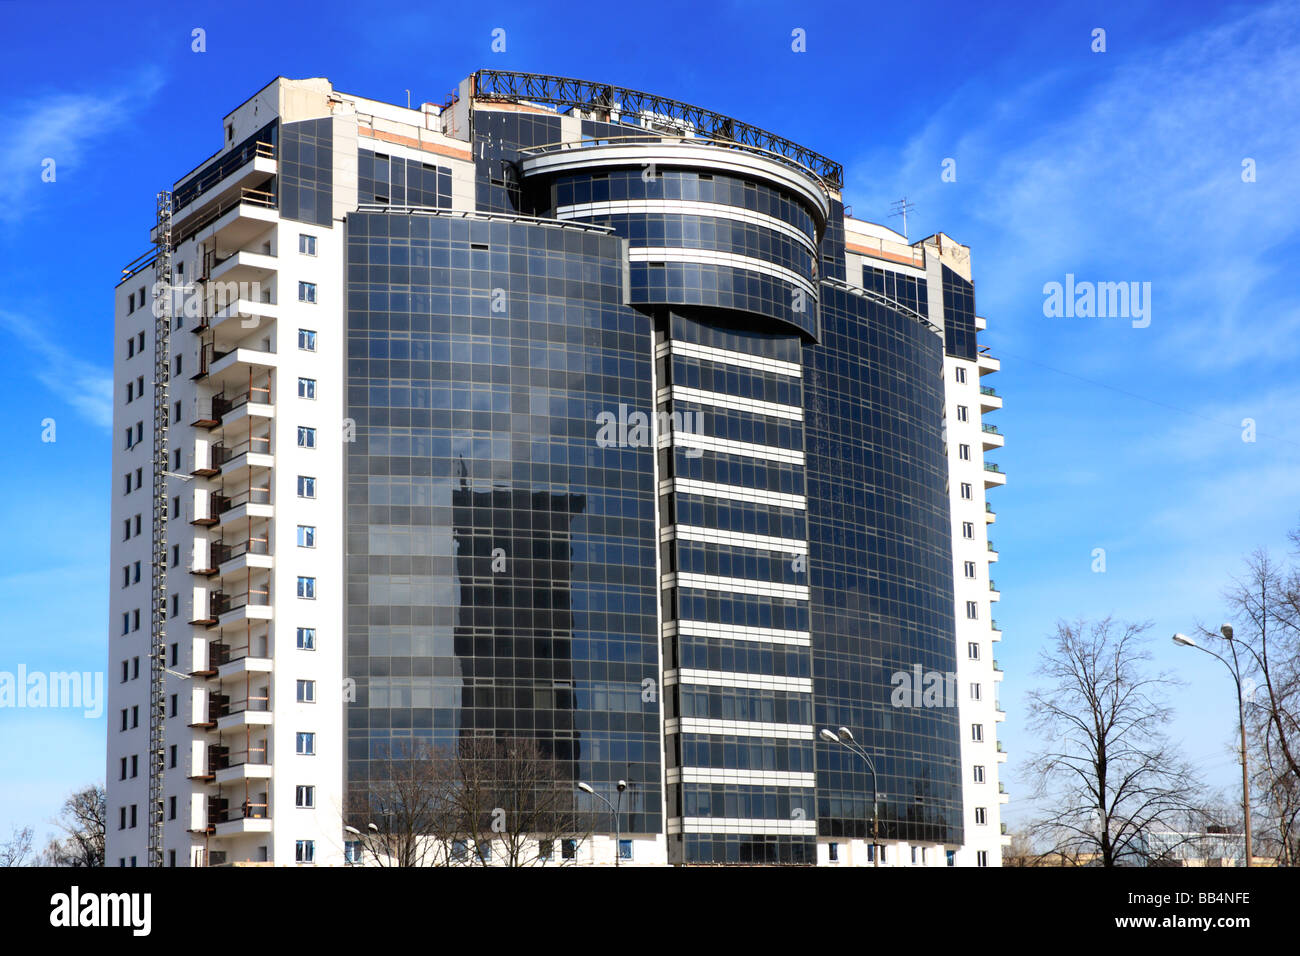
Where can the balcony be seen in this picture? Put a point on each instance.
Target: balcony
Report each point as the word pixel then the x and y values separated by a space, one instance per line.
pixel 993 552
pixel 251 400
pixel 991 437
pixel 252 452
pixel 233 218
pixel 254 502
pixel 990 400
pixel 993 475
pixel 244 309
pixel 241 266
pixel 215 362
pixel 990 515
pixel 987 363
pixel 250 163
pixel 994 593
pixel 245 817
pixel 251 763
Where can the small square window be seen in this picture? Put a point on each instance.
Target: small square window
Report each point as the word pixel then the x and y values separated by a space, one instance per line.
pixel 306 388
pixel 307 340
pixel 966 490
pixel 306 244
pixel 969 568
pixel 306 487
pixel 304 797
pixel 306 536
pixel 307 292
pixel 979 773
pixel 968 529
pixel 959 374
pixel 973 650
pixel 981 816
pixel 306 437
pixel 306 744
pixel 307 588
pixel 962 414
pixel 977 733
pixel 306 692
pixel 305 851
pixel 963 452
pixel 306 638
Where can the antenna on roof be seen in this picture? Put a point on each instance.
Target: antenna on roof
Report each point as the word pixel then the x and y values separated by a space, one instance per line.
pixel 901 208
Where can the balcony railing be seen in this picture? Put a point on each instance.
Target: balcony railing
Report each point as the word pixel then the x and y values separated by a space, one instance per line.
pixel 222 552
pixel 254 444
pixel 223 503
pixel 223 603
pixel 220 811
pixel 254 197
pixel 990 429
pixel 991 548
pixel 990 466
pixel 988 390
pixel 219 653
pixel 993 585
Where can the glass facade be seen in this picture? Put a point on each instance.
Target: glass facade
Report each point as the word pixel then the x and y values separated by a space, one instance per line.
pixel 306 171
pixel 500 561
pixel 880 555
pixel 767 551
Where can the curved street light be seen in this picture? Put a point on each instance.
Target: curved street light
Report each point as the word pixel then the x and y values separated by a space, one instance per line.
pixel 1234 669
pixel 845 737
pixel 616 811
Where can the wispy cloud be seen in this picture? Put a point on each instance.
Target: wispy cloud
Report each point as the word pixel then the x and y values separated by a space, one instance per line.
pixel 85 386
pixel 62 126
pixel 1129 168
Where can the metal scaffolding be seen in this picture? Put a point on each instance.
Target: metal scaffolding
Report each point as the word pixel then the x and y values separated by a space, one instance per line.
pixel 158 577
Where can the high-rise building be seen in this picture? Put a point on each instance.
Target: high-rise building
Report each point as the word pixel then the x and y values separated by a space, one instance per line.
pixel 558 412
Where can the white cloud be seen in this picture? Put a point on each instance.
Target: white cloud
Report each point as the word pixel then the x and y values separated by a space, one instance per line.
pixel 85 386
pixel 61 126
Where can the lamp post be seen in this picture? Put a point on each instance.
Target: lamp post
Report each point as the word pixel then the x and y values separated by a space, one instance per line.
pixel 1235 669
pixel 616 811
pixel 845 736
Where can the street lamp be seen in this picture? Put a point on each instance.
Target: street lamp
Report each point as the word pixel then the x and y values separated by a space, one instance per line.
pixel 845 736
pixel 616 811
pixel 1235 669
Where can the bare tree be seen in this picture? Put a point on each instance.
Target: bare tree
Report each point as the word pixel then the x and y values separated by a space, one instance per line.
pixel 1264 604
pixel 83 820
pixel 405 816
pixel 1020 851
pixel 18 848
pixel 1109 774
pixel 515 802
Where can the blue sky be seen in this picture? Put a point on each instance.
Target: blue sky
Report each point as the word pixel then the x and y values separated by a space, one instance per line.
pixel 1116 166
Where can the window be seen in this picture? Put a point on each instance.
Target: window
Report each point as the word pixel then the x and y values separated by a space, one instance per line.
pixel 916 855
pixel 835 852
pixel 121 818
pixel 130 347
pixel 968 529
pixel 306 244
pixel 484 850
pixel 966 491
pixel 459 849
pixel 306 487
pixel 306 536
pixel 179 365
pixel 133 817
pixel 982 858
pixel 306 292
pixel 176 605
pixel 960 375
pixel 976 692
pixel 171 757
pixel 952 857
pixel 135 668
pixel 972 610
pixel 306 437
pixel 979 773
pixel 352 851
pixel 126 622
pixel 871 853
pixel 305 851
pixel 306 692
pixel 545 849
pixel 137 524
pixel 306 744
pixel 306 638
pixel 139 336
pixel 306 388
pixel 171 810
pixel 304 797
pixel 307 588
pixel 307 340
pixel 963 452
pixel 973 650
pixel 970 569
pixel 962 414
pixel 135 716
pixel 135 620
pixel 977 733
pixel 176 555
pixel 625 849
pixel 569 849
pixel 122 776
